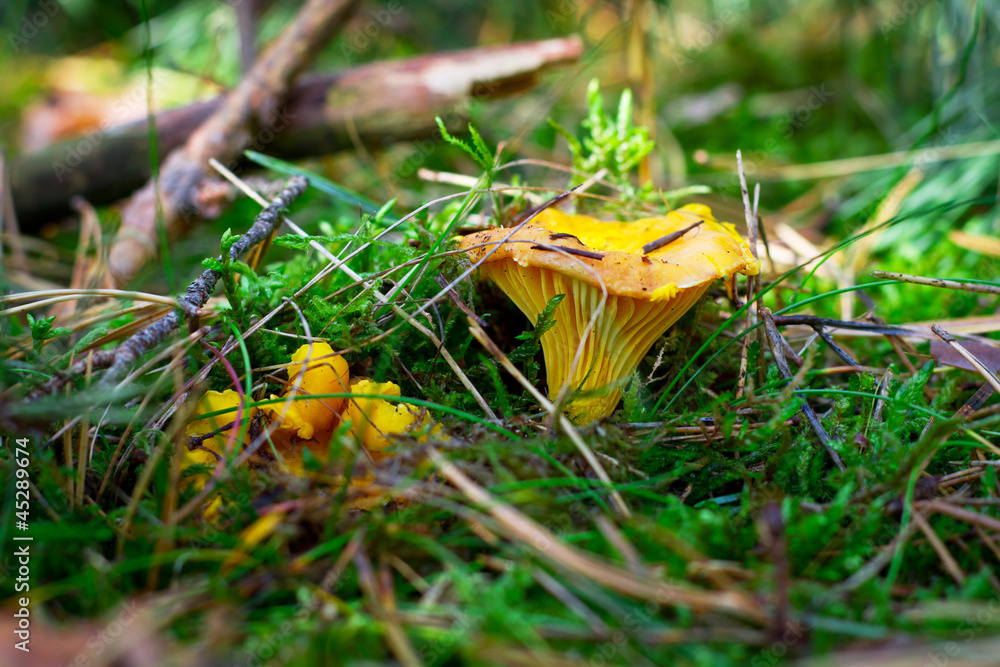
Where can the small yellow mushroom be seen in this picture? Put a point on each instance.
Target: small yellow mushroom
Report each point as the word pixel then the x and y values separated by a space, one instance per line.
pixel 653 270
pixel 211 449
pixel 310 423
pixel 325 373
pixel 374 419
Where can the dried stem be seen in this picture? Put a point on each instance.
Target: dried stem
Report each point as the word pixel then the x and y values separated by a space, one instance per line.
pixel 938 282
pixel 971 358
pixel 779 357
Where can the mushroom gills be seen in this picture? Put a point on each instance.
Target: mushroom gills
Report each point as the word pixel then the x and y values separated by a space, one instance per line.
pixel 622 334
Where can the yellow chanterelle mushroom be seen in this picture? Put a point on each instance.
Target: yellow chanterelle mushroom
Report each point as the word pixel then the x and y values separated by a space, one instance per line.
pixel 324 373
pixel 310 423
pixel 653 271
pixel 374 419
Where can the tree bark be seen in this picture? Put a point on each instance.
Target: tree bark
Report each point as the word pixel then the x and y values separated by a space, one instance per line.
pixel 386 102
pixel 250 109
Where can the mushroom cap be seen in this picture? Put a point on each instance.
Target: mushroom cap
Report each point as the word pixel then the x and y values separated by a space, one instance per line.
pixel 712 250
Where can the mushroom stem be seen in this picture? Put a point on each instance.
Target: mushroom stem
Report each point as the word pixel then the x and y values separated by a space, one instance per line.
pixel 622 334
pixel 588 454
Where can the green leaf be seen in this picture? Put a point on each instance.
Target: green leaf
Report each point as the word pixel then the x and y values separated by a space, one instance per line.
pixel 315 180
pixel 384 211
pixel 546 319
pixel 502 397
pixel 214 264
pixel 89 338
pixel 243 269
pixel 486 156
pixel 41 331
pixel 625 115
pixel 478 151
pixel 228 239
pixel 526 352
pixel 613 144
pixel 454 141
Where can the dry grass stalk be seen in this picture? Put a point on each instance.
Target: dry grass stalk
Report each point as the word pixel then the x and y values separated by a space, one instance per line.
pixel 523 529
pixel 981 288
pixel 564 423
pixel 947 560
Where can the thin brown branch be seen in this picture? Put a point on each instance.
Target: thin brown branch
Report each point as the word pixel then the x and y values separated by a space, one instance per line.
pixel 384 102
pixel 254 104
pixel 839 351
pixel 938 282
pixel 121 359
pixel 814 321
pixel 774 337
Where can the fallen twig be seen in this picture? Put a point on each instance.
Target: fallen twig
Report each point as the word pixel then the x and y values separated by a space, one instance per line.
pixel 981 288
pixel 839 351
pixel 814 321
pixel 774 337
pixel 383 102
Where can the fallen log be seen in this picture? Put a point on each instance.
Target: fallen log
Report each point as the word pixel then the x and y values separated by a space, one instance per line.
pixel 165 206
pixel 385 101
